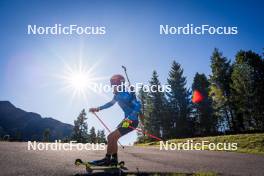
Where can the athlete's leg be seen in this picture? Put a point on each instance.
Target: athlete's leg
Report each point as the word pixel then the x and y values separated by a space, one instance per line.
pixel 112 139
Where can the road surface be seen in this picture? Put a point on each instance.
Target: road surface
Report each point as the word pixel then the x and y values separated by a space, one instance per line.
pixel 15 159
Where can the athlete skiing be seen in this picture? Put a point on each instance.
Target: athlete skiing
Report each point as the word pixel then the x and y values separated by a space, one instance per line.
pixel 131 107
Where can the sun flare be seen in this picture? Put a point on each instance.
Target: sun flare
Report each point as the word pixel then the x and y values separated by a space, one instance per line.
pixel 78 79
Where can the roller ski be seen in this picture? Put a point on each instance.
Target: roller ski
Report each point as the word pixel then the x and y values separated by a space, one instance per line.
pixel 105 167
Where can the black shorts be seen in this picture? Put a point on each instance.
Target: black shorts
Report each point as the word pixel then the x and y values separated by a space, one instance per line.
pixel 123 131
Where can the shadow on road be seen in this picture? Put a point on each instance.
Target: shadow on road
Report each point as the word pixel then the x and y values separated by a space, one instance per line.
pixel 134 174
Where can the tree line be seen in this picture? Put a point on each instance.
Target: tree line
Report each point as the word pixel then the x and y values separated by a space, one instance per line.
pixel 233 96
pixel 81 133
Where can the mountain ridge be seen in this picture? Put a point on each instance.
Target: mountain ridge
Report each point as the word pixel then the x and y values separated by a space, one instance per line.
pixel 23 125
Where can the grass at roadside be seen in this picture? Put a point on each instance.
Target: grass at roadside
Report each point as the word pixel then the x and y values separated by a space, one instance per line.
pixel 246 143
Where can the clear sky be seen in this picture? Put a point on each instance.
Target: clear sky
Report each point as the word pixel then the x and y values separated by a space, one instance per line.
pixel 30 65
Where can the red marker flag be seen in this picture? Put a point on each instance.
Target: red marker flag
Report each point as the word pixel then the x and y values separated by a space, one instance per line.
pixel 197 97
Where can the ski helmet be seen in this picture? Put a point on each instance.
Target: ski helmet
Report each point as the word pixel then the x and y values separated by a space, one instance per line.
pixel 117 80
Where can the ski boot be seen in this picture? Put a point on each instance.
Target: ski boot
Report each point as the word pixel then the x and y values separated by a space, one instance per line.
pixel 114 160
pixel 102 162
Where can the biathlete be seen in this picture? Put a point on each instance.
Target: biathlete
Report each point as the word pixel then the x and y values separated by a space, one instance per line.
pixel 131 107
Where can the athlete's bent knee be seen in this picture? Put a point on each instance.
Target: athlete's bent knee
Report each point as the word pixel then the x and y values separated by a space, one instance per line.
pixel 109 137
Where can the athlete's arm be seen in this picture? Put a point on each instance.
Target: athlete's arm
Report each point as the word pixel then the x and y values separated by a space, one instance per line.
pixel 107 105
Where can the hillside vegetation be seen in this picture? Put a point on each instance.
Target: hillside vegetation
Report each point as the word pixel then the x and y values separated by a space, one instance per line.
pixel 246 143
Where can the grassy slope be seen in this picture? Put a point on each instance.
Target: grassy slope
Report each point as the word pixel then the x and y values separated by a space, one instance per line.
pixel 246 143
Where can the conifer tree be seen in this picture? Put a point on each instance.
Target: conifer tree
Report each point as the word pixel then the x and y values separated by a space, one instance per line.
pixel 155 110
pixel 179 102
pixel 220 91
pixel 80 133
pixel 102 136
pixel 205 122
pixel 46 135
pixel 248 90
pixel 92 136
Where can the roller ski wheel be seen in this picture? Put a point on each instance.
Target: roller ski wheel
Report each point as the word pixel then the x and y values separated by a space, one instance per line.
pixel 121 163
pixel 78 162
pixel 89 170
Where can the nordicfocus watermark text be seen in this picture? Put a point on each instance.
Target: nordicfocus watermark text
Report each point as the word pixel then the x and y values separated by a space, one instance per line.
pixel 191 29
pixel 203 145
pixel 164 145
pixel 58 145
pixel 131 88
pixel 58 29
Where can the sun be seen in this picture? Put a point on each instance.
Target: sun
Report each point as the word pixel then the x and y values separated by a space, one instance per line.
pixel 78 80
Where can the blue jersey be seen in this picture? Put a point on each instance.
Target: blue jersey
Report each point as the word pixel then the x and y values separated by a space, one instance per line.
pixel 128 104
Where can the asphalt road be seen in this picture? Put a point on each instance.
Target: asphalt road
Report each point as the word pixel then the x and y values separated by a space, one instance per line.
pixel 15 159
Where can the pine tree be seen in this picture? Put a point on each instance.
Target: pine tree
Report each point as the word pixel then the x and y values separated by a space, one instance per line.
pixel 46 135
pixel 98 136
pixel 179 102
pixel 102 137
pixel 80 128
pixel 205 122
pixel 155 110
pixel 220 91
pixel 92 136
pixel 248 89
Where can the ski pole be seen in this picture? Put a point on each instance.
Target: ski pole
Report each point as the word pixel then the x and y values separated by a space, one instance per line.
pixel 106 127
pixel 125 70
pixel 129 84
pixel 150 135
